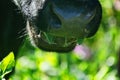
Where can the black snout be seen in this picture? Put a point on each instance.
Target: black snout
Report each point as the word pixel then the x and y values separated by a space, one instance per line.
pixel 60 23
pixel 68 20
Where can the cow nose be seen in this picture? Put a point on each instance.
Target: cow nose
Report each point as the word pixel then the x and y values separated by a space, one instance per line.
pixel 68 18
pixel 61 23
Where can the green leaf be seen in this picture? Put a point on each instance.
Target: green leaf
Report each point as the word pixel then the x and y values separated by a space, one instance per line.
pixel 7 64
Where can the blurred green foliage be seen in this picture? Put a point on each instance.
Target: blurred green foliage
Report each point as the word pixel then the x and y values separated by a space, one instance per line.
pixel 95 59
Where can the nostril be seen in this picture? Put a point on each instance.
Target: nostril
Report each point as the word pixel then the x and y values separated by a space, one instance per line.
pixel 47 19
pixel 55 22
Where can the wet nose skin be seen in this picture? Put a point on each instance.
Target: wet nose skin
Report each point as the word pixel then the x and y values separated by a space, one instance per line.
pixel 76 17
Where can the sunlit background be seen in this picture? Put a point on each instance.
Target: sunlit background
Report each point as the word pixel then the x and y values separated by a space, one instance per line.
pixel 95 59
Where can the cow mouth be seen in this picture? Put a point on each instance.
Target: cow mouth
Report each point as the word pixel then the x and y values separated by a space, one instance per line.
pixel 48 42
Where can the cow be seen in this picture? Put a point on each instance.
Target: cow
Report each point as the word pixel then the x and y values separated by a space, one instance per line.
pixel 52 25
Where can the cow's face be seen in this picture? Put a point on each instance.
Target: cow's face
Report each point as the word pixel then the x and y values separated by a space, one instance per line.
pixel 57 25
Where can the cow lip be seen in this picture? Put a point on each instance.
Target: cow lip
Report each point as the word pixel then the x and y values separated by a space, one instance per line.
pixel 54 47
pixel 44 44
